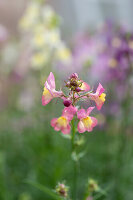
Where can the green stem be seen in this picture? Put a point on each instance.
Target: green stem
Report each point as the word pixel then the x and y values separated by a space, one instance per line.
pixel 75 162
pixel 73 136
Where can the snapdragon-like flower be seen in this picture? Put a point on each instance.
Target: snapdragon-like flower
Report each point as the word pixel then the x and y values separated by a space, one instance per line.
pixel 63 123
pixel 98 96
pixel 86 123
pixel 49 90
pixel 77 90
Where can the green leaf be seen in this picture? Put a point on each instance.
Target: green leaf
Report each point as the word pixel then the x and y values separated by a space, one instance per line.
pixel 45 190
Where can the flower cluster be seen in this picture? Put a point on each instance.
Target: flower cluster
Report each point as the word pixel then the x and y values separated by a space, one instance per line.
pixel 41 25
pixel 77 90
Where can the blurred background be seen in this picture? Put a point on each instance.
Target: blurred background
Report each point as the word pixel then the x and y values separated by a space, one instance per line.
pixel 93 38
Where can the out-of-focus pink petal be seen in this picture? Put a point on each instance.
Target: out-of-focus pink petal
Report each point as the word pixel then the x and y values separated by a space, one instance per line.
pixel 100 89
pixel 85 87
pixel 47 86
pixel 57 128
pixel 89 110
pixel 57 93
pixel 81 127
pixel 53 122
pixel 69 112
pixel 94 121
pixel 81 114
pixel 99 104
pixel 66 130
pixel 51 80
pixel 46 97
pixel 89 129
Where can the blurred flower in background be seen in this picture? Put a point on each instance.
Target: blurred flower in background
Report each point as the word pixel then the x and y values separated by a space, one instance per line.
pixel 32 43
pixel 3 34
pixel 105 55
pixel 40 24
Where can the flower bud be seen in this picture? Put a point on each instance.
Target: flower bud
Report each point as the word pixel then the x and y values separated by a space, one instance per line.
pixel 62 190
pixel 74 75
pixel 68 84
pixel 73 83
pixel 93 186
pixel 67 102
pixel 78 89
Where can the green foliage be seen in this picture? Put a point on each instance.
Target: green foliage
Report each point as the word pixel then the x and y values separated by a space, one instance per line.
pixel 33 151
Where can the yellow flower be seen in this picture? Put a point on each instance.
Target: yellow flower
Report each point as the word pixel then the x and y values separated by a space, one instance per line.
pixel 53 38
pixel 31 16
pixel 38 60
pixel 38 40
pixel 63 54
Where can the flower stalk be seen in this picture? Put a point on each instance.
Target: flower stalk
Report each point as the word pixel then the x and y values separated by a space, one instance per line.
pixel 75 161
pixel 66 123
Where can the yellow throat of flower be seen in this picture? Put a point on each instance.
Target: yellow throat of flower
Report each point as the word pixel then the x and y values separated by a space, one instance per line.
pixel 62 121
pixel 102 97
pixel 87 121
pixel 46 93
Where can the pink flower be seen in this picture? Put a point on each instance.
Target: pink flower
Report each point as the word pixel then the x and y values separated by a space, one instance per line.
pixel 98 96
pixel 85 87
pixel 86 122
pixel 63 123
pixel 49 90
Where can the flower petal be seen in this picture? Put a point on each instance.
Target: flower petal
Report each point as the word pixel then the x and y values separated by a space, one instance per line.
pixel 90 109
pixel 81 127
pixel 94 121
pixel 69 112
pixel 99 103
pixel 93 124
pixel 100 89
pixel 85 87
pixel 81 114
pixel 51 80
pixel 66 130
pixel 53 122
pixel 46 97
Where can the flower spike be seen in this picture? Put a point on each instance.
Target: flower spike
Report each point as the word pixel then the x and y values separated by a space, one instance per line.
pixel 78 90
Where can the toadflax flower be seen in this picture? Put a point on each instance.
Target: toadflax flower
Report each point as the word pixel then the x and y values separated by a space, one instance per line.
pixel 98 96
pixel 77 90
pixel 86 123
pixel 49 90
pixel 63 123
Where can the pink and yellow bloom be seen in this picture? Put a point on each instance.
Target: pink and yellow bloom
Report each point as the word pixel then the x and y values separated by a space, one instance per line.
pixel 78 90
pixel 85 87
pixel 98 96
pixel 86 123
pixel 63 123
pixel 49 91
